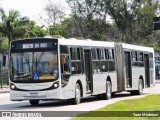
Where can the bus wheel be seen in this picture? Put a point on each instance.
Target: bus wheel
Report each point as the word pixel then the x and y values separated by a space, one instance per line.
pixel 99 97
pixel 77 98
pixel 108 93
pixel 140 88
pixel 34 102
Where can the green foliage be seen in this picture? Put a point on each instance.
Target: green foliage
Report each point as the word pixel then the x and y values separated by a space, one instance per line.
pixel 56 30
pixel 132 20
pixel 5 46
pixel 148 103
pixel 7 26
pixel 80 27
pixel 13 27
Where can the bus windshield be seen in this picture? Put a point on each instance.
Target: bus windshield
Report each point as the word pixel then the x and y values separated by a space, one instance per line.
pixel 34 66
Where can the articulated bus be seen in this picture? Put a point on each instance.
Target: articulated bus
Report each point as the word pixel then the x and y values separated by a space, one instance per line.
pixel 69 69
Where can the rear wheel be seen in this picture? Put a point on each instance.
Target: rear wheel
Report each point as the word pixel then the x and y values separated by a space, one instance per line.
pixel 108 93
pixel 140 89
pixel 77 98
pixel 34 102
pixel 99 97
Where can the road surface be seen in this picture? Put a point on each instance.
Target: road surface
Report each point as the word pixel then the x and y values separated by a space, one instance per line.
pixel 87 104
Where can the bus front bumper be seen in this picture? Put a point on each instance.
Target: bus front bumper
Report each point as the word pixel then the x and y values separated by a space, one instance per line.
pixel 34 95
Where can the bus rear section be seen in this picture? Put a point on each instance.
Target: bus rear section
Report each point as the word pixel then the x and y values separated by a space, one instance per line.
pixel 135 67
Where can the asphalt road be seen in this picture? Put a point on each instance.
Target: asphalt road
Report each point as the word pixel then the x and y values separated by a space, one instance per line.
pixel 87 104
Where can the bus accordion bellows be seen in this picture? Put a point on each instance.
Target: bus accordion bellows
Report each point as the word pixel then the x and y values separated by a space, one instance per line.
pixel 69 69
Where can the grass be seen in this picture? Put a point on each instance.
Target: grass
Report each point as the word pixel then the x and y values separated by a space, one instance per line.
pixel 148 103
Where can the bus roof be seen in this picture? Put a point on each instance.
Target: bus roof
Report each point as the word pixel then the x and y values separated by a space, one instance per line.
pixel 136 47
pixel 86 43
pixel 92 43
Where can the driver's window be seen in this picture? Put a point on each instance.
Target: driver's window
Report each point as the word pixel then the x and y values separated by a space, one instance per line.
pixel 65 60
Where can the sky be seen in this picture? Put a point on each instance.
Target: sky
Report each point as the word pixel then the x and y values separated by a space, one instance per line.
pixel 30 8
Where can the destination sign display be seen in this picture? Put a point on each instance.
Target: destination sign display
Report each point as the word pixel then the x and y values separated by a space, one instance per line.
pixel 34 44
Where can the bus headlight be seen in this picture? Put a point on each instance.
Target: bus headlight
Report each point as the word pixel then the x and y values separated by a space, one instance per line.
pixel 12 86
pixel 55 85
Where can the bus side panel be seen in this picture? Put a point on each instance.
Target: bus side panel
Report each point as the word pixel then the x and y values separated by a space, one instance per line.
pixel 136 73
pixel 113 76
pixel 68 91
pixel 99 83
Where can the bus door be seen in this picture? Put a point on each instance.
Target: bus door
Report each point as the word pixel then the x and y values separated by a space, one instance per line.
pixel 128 69
pixel 88 71
pixel 146 65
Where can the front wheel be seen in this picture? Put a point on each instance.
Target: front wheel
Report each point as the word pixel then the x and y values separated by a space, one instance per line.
pixel 77 98
pixel 34 102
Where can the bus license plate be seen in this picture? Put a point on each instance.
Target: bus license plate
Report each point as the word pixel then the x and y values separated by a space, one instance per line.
pixel 34 94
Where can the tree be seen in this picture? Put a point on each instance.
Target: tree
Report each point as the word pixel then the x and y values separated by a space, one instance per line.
pixel 33 30
pixel 55 13
pixel 5 46
pixel 39 31
pixel 132 19
pixel 7 22
pixel 13 26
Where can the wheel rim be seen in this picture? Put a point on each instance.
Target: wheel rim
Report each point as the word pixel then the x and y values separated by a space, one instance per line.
pixel 78 94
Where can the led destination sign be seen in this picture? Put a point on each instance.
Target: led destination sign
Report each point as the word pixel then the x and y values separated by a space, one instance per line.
pixel 34 44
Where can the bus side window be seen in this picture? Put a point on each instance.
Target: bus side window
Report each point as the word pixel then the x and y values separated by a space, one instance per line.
pixel 76 60
pixel 134 58
pixel 110 53
pixel 140 59
pixel 65 61
pixel 65 64
pixel 106 53
pixel 102 54
pixel 98 60
pixel 98 54
pixel 140 56
pixel 104 62
pixel 94 56
pixel 113 53
pixel 111 61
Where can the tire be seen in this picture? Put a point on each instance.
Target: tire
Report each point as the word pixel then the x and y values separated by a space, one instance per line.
pixel 133 92
pixel 77 98
pixel 113 94
pixel 140 89
pixel 34 102
pixel 108 93
pixel 99 97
